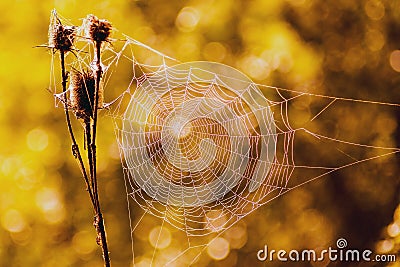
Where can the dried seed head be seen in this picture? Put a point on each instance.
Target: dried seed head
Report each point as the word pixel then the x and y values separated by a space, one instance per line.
pixel 98 30
pixel 61 37
pixel 82 94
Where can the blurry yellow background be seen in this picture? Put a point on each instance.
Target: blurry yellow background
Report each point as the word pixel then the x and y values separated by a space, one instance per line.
pixel 336 47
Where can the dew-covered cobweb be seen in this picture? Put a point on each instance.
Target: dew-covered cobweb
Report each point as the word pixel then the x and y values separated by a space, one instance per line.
pixel 202 145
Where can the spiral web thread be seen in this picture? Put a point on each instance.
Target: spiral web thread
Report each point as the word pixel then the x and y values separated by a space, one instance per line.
pixel 202 146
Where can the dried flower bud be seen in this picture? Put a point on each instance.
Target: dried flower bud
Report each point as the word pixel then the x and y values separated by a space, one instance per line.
pixel 61 37
pixel 82 92
pixel 98 30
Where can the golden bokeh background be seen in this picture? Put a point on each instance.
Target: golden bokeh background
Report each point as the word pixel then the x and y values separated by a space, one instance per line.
pixel 337 47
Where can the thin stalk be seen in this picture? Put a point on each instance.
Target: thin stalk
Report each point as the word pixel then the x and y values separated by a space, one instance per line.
pixel 98 219
pixel 92 171
pixel 95 110
pixel 75 148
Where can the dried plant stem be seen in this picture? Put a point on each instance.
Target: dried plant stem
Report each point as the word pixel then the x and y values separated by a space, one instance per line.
pixel 88 137
pixel 75 148
pixel 91 180
pixel 61 38
pixel 98 220
pixel 95 108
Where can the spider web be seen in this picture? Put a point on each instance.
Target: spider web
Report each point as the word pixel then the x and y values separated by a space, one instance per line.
pixel 202 146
